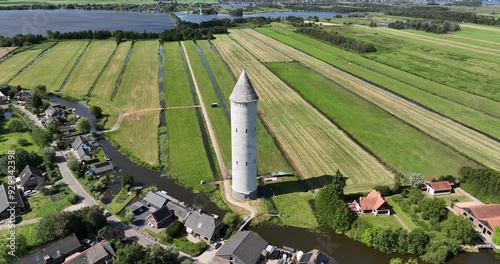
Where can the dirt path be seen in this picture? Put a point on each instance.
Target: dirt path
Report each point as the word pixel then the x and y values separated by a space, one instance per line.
pixel 401 222
pixel 215 144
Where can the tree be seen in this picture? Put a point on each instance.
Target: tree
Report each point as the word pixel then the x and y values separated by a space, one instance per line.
pixel 127 179
pixel 73 164
pixel 72 198
pixel 231 220
pixel 118 36
pixel 396 186
pixel 133 253
pixel 23 142
pixel 416 179
pixel 434 209
pixel 417 241
pixel 338 183
pixel 16 125
pixel 383 189
pixel 396 261
pixel 83 125
pixel 40 90
pixel 496 236
pixel 48 154
pixel 110 232
pixel 332 210
pixel 41 137
pixel 96 111
pixel 459 228
pixel 440 249
pixel 129 217
pixel 36 101
pixel 93 217
pixel 156 254
pixel 23 158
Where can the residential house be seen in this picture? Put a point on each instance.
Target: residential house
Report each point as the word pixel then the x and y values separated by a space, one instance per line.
pixel 4 97
pixel 436 188
pixel 30 178
pixel 242 248
pixel 485 217
pixel 314 257
pixel 22 96
pixel 160 218
pixel 54 111
pixel 53 252
pixel 100 253
pixel 10 204
pixel 372 203
pixel 154 200
pixel 179 211
pixel 82 148
pixel 203 225
pixel 102 168
pixel 136 208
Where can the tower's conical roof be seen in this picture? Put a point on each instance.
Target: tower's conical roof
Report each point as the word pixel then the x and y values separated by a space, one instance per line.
pixel 243 91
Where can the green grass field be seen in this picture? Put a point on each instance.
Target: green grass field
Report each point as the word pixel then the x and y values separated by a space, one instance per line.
pixel 176 81
pixel 41 205
pixel 408 150
pixel 52 68
pixel 11 66
pixel 28 231
pixel 401 214
pixel 450 199
pixel 8 139
pixel 120 201
pixel 382 220
pixel 139 86
pixel 89 67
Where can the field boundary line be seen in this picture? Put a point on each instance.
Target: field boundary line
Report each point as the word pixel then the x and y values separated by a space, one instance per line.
pixel 119 79
pixel 33 61
pixel 74 66
pixel 102 70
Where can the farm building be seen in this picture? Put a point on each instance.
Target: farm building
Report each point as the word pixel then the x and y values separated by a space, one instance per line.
pixel 436 188
pixel 485 218
pixel 372 203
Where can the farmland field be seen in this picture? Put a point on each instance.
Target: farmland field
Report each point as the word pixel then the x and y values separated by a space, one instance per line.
pixel 11 66
pixel 468 142
pixel 408 151
pixel 5 50
pixel 269 158
pixel 139 86
pixel 176 81
pixel 52 68
pixel 89 67
pixel 314 145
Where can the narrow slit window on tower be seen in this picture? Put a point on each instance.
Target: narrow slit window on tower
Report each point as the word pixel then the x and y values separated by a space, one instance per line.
pixel 246 163
pixel 246 130
pixel 236 162
pixel 254 129
pixel 254 161
pixel 236 130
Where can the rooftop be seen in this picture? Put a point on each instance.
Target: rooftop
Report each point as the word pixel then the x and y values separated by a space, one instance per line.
pixel 440 186
pixel 54 249
pixel 246 247
pixel 243 91
pixel 372 201
pixel 202 224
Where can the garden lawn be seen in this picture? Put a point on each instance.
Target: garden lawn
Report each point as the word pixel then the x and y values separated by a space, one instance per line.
pixel 402 147
pixel 8 140
pixel 451 199
pixel 139 86
pixel 89 67
pixel 382 220
pixel 138 136
pixel 52 68
pixel 402 215
pixel 120 201
pixel 42 205
pixel 28 231
pixel 269 157
pixel 292 202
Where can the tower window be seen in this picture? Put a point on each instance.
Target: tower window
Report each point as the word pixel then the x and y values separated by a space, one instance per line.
pixel 254 161
pixel 254 129
pixel 246 163
pixel 236 162
pixel 246 130
pixel 236 130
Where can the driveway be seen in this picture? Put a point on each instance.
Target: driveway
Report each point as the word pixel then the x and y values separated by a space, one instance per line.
pixel 30 115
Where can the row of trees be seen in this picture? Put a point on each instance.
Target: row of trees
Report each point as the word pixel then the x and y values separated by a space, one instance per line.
pixel 434 26
pixel 20 40
pixel 338 40
pixel 483 183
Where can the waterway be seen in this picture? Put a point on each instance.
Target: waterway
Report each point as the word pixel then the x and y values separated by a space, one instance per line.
pixel 344 250
pixel 39 21
pixel 195 18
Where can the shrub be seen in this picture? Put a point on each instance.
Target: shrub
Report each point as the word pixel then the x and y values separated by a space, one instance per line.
pixel 174 229
pixel 23 142
pixel 16 125
pixel 72 198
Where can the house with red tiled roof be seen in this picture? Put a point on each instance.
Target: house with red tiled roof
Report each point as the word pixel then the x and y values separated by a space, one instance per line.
pixel 372 203
pixel 436 188
pixel 485 217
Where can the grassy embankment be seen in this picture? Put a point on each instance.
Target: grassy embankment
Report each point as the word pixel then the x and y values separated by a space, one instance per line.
pixel 89 67
pixel 468 142
pixel 103 89
pixel 11 66
pixel 138 93
pixel 286 194
pixel 407 150
pixel 52 68
pixel 187 159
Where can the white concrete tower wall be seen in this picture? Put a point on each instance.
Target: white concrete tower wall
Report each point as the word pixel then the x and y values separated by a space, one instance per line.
pixel 244 139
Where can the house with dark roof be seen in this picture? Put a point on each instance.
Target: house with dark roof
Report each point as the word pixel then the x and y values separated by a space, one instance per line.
pixel 53 252
pixel 372 203
pixel 179 211
pixel 436 188
pixel 10 204
pixel 30 178
pixel 136 208
pixel 102 168
pixel 100 253
pixel 485 217
pixel 205 226
pixel 160 218
pixel 83 148
pixel 154 200
pixel 314 257
pixel 54 111
pixel 242 248
pixel 23 96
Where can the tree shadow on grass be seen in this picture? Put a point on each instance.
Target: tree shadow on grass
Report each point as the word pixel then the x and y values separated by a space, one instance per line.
pixel 293 186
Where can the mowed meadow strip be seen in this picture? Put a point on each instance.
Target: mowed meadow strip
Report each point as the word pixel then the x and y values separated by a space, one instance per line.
pixel 175 77
pixel 89 67
pixel 11 66
pixel 465 140
pixel 258 50
pixel 139 86
pixel 402 147
pixel 5 50
pixel 314 145
pixel 138 136
pixel 52 68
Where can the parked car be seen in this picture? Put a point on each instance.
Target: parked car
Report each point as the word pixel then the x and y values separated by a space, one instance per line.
pixel 87 242
pixel 216 245
pixel 106 213
pixel 107 158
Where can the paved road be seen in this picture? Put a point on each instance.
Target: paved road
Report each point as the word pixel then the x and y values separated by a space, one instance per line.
pixel 32 117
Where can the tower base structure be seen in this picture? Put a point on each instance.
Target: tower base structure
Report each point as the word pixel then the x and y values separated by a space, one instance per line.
pixel 244 196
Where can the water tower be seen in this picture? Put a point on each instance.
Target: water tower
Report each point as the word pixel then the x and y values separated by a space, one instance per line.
pixel 244 139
